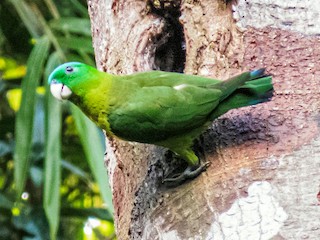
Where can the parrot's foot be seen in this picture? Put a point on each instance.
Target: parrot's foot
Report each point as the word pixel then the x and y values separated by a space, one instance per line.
pixel 190 173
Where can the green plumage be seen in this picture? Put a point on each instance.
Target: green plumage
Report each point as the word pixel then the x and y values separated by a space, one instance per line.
pixel 162 108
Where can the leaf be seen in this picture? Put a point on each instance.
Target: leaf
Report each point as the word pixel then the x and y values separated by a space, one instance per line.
pixel 38 138
pixel 79 8
pixel 53 154
pixel 5 203
pixel 93 148
pixel 7 63
pixel 24 118
pixel 75 170
pixel 76 43
pixel 10 69
pixel 14 97
pixel 72 25
pixel 14 73
pixel 100 213
pixel 28 17
pixel 32 222
pixel 85 58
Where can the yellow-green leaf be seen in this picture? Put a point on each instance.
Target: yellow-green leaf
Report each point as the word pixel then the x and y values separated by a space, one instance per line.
pixel 14 97
pixel 51 201
pixel 93 148
pixel 25 115
pixel 14 73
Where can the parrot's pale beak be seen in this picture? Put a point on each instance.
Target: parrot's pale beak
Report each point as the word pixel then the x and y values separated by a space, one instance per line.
pixel 60 91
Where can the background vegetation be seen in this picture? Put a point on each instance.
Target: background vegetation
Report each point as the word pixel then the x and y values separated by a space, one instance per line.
pixel 52 180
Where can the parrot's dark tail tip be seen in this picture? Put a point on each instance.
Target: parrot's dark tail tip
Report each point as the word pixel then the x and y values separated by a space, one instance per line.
pixel 258 73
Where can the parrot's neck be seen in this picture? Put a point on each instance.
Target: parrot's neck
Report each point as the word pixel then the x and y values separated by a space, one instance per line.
pixel 92 97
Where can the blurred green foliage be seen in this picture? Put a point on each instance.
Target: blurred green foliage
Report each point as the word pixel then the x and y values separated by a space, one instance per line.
pixel 53 184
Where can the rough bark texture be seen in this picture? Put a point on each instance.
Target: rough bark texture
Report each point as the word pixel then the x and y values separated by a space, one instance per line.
pixel 264 175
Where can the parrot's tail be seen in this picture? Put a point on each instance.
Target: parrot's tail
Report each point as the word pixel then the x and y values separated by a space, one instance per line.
pixel 256 88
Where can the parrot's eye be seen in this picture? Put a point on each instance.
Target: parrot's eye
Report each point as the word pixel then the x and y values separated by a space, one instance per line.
pixel 69 69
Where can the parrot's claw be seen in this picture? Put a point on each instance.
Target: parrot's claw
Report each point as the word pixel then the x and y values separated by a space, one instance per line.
pixel 190 173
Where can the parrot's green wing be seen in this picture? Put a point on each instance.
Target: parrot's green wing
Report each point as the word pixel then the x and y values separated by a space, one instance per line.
pixel 164 105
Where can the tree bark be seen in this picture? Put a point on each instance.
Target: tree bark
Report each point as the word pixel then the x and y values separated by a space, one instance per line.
pixel 264 178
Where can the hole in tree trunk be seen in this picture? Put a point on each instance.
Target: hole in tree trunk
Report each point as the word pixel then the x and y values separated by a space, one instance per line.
pixel 170 54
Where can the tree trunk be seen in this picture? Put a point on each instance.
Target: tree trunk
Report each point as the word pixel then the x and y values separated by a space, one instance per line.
pixel 263 182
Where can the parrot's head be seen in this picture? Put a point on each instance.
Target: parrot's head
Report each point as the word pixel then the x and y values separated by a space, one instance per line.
pixel 65 79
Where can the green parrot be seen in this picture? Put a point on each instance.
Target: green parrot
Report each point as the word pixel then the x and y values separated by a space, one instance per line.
pixel 162 108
